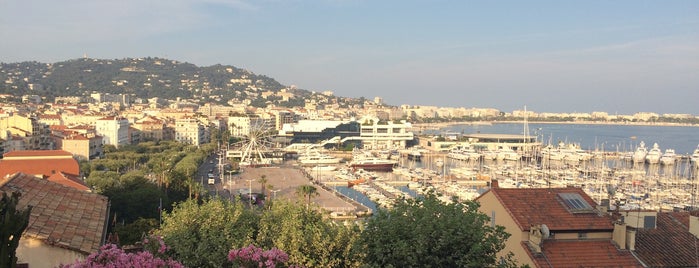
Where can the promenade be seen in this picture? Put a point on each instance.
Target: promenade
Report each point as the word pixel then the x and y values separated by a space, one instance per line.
pixel 284 181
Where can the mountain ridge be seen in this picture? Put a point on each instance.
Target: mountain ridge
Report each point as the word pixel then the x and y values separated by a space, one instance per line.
pixel 143 77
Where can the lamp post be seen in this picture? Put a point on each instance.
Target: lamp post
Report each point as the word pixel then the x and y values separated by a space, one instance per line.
pixel 275 193
pixel 250 191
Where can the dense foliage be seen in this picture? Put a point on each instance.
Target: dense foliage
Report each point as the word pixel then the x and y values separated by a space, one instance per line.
pixel 110 255
pixel 13 221
pixel 427 232
pixel 143 180
pixel 201 235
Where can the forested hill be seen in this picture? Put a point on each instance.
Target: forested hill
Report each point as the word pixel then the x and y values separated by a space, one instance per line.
pixel 143 77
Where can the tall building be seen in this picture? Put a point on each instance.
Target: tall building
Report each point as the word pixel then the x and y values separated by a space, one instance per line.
pixel 85 146
pixel 189 130
pixel 26 131
pixel 114 130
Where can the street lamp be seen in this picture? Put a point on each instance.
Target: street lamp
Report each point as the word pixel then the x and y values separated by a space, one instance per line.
pixel 275 192
pixel 250 191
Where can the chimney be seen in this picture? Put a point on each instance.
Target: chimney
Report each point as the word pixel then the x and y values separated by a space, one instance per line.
pixel 494 183
pixel 619 235
pixel 535 238
pixel 694 225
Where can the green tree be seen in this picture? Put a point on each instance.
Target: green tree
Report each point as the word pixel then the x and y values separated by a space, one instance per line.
pixel 200 235
pixel 426 232
pixel 306 192
pixel 13 221
pixel 136 198
pixel 134 232
pixel 310 239
pixel 100 181
pixel 263 185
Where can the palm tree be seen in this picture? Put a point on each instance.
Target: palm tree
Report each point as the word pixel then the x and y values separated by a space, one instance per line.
pixel 263 184
pixel 307 191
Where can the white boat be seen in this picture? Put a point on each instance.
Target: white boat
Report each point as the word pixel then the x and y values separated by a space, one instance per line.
pixel 323 168
pixel 654 154
pixel 366 161
pixel 695 156
pixel 669 157
pixel 318 159
pixel 489 154
pixel 506 153
pixel 414 154
pixel 464 154
pixel 639 156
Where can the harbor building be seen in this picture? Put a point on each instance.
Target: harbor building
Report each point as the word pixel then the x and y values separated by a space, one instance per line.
pixel 483 142
pixel 369 133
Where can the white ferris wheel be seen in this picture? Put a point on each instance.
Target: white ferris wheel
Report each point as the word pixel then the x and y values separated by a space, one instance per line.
pixel 255 145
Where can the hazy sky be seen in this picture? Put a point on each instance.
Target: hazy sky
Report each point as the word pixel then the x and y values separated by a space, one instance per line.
pixel 552 56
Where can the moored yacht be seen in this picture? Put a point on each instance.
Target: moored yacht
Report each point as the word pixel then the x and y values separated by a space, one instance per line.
pixel 669 157
pixel 639 156
pixel 318 159
pixel 367 161
pixel 654 154
pixel 695 156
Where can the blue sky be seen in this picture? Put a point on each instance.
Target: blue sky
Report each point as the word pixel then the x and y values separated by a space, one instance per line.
pixel 552 56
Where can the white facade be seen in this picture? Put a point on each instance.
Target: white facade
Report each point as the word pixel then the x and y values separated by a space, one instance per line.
pixel 384 135
pixel 189 131
pixel 114 130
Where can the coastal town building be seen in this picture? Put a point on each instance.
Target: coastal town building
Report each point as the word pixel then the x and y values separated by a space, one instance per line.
pixel 24 133
pixel 114 130
pixel 555 227
pixel 151 127
pixel 54 165
pixel 65 224
pixel 82 146
pixel 189 130
pixel 368 132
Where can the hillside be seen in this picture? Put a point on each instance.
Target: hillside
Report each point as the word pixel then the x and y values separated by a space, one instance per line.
pixel 143 77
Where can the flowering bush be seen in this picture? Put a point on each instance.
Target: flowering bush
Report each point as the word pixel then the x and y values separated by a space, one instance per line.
pixel 252 256
pixel 155 245
pixel 109 256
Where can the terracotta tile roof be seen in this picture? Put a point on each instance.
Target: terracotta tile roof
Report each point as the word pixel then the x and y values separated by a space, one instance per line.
pixel 40 163
pixel 61 216
pixel 69 180
pixel 77 137
pixel 37 153
pixel 533 206
pixel 582 253
pixel 57 127
pixel 50 116
pixel 670 244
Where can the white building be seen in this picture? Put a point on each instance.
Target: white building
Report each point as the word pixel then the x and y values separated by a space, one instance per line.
pixel 240 126
pixel 377 134
pixel 114 130
pixel 189 130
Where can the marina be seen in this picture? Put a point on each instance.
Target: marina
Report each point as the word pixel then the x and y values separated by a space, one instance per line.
pixel 634 178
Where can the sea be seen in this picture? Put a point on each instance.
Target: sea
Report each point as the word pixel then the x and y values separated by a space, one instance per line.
pixel 603 137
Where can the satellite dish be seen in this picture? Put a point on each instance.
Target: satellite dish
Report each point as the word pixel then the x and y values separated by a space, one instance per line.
pixel 545 232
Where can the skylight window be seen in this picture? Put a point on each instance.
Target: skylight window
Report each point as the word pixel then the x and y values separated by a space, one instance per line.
pixel 575 202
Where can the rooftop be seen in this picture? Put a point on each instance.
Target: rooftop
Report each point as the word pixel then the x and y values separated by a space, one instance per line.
pixel 533 206
pixel 670 244
pixel 61 216
pixel 582 253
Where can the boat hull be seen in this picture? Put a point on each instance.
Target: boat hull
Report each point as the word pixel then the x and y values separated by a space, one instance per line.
pixel 373 166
